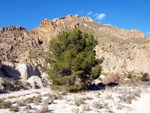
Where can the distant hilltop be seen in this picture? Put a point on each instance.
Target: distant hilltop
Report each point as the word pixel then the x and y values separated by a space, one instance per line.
pixel 70 17
pixel 50 28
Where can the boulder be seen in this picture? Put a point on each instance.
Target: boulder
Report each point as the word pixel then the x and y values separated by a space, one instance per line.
pixel 35 81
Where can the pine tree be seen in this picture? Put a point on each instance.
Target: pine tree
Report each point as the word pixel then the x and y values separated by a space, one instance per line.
pixel 72 60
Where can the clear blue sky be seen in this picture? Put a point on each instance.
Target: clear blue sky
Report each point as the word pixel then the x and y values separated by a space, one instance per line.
pixel 126 14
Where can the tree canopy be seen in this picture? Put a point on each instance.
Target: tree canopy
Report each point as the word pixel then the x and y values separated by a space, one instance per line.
pixel 72 60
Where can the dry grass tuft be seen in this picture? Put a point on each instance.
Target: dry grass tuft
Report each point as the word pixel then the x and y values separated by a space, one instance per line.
pixel 98 105
pixel 79 101
pixel 5 104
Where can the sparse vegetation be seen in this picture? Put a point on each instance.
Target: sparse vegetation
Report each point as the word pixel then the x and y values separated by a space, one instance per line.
pixel 21 103
pixel 14 108
pixel 128 98
pixel 13 60
pixel 85 108
pixel 78 101
pixel 5 104
pixel 75 110
pixel 97 105
pixel 12 97
pixel 129 76
pixel 37 100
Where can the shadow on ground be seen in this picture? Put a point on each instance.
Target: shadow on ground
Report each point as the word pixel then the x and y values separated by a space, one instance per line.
pixel 100 86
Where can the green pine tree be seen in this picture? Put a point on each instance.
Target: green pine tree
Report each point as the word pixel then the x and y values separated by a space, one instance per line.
pixel 72 60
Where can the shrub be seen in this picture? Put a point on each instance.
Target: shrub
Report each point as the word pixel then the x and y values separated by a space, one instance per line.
pixel 21 103
pixel 145 77
pixel 64 93
pixel 129 76
pixel 98 105
pixel 37 100
pixel 79 101
pixel 72 60
pixel 4 104
pixel 85 108
pixel 13 61
pixel 29 100
pixel 14 108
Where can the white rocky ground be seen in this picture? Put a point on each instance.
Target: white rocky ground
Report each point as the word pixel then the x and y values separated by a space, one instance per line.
pixel 125 98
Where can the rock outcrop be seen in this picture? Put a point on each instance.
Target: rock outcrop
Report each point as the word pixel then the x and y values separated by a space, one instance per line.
pixel 18 70
pixel 125 58
pixel 49 29
pixel 35 81
pixel 19 46
pixel 11 28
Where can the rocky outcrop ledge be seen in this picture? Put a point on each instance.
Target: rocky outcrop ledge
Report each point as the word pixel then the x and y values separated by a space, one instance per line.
pixel 11 28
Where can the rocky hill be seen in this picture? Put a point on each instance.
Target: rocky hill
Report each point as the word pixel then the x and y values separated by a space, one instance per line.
pixel 124 50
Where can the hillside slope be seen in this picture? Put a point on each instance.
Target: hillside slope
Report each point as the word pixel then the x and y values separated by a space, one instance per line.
pixel 124 50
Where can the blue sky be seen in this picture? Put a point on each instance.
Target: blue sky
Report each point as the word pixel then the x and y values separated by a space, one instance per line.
pixel 126 14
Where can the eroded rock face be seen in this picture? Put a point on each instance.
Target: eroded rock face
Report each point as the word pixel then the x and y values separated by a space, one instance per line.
pixel 19 46
pixel 123 58
pixel 18 70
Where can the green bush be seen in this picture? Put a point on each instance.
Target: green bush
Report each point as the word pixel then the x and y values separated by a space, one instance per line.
pixel 72 60
pixel 129 76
